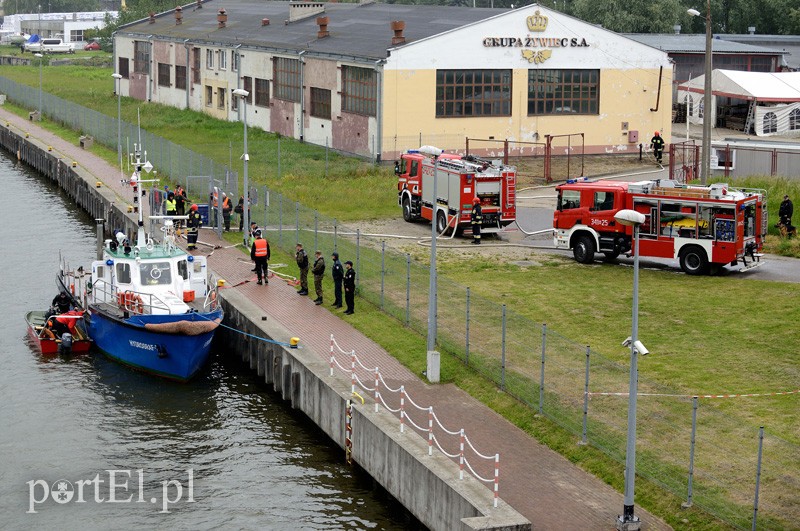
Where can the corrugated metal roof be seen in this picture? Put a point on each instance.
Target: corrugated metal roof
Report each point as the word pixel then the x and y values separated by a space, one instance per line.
pixel 679 43
pixel 358 30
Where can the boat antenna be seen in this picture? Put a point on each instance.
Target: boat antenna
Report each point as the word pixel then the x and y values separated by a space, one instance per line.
pixel 139 161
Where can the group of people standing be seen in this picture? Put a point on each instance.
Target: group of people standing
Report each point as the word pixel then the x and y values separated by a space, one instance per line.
pixel 344 276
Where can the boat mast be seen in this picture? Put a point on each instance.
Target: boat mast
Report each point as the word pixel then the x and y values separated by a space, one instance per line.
pixel 136 181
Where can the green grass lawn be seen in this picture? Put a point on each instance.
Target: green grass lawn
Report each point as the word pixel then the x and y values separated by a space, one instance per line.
pixel 706 334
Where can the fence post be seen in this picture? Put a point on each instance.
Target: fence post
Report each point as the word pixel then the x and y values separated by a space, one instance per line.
pixel 758 474
pixel 280 221
pixel 408 289
pixel 503 352
pixel 466 346
pixel 297 221
pixel 586 397
pixel 316 231
pixel 383 268
pixel 688 502
pixel 358 256
pixel 541 375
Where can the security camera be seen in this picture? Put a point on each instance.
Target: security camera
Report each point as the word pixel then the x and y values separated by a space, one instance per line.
pixel 637 346
pixel 627 342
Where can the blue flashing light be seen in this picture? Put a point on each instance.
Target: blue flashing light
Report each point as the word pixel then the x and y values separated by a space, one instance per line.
pixel 190 258
pixel 109 262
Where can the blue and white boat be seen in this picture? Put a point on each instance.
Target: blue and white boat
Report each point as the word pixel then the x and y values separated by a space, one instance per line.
pixel 150 305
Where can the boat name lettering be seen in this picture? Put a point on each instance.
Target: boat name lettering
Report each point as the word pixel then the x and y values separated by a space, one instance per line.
pixel 144 346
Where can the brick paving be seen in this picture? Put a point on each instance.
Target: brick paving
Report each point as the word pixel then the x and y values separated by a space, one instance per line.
pixel 539 483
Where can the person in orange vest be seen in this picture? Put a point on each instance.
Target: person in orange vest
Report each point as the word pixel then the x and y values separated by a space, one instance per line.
pixel 227 208
pixel 259 253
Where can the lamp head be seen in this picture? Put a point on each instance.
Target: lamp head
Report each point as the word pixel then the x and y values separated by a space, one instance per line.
pixel 693 12
pixel 241 93
pixel 116 76
pixel 629 217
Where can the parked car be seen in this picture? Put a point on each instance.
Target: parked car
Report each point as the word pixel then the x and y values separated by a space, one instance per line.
pixel 50 46
pixel 94 45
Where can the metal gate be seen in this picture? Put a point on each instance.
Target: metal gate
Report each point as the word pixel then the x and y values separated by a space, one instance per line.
pixel 684 161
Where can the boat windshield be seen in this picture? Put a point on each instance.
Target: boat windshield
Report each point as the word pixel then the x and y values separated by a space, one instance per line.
pixel 155 273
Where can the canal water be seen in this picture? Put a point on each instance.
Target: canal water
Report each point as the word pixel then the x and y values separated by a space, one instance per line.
pixel 219 452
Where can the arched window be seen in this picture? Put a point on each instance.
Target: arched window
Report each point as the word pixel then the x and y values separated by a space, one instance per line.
pixel 794 120
pixel 770 122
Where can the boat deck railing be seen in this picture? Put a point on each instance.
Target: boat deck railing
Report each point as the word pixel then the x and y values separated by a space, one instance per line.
pixel 129 300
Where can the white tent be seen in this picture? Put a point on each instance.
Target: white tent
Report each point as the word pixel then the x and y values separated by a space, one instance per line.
pixel 774 96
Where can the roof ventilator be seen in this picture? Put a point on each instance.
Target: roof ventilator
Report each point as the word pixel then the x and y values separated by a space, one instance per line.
pixel 322 22
pixel 222 17
pixel 265 22
pixel 397 27
pixel 301 10
pixel 152 18
pixel 178 15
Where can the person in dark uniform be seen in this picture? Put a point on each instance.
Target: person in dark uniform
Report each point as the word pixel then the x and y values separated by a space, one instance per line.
pixel 349 287
pixel 180 207
pixel 192 226
pixel 239 210
pixel 657 143
pixel 785 212
pixel 259 253
pixel 227 208
pixel 476 218
pixel 338 276
pixel 319 271
pixel 61 303
pixel 301 258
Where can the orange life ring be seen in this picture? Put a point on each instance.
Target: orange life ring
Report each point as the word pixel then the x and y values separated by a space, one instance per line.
pixel 132 302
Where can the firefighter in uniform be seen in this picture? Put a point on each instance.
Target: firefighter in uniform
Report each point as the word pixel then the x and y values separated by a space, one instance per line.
pixel 338 276
pixel 192 226
pixel 476 218
pixel 349 287
pixel 259 253
pixel 301 258
pixel 227 208
pixel 319 271
pixel 657 143
pixel 785 212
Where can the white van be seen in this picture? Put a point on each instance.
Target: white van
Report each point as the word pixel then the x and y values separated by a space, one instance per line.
pixel 50 46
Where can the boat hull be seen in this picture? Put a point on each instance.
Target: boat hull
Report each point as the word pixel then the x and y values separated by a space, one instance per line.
pixel 169 355
pixel 47 346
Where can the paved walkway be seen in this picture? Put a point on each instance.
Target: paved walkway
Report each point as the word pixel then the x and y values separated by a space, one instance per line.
pixel 539 483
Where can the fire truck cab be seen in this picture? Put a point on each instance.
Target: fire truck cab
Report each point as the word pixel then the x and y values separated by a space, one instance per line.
pixel 458 181
pixel 704 227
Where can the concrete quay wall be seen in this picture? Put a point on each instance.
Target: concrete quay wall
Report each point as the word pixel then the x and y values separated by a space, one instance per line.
pixel 428 486
pixel 79 184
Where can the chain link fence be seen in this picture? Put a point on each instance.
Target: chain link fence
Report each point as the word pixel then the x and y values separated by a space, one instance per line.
pixel 699 450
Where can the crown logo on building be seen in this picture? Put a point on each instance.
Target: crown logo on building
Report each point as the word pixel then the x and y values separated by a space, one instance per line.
pixel 537 22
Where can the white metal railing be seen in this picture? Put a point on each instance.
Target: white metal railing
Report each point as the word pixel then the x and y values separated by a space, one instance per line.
pixel 378 382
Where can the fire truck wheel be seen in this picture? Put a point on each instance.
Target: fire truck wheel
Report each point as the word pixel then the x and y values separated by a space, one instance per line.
pixel 694 261
pixel 583 250
pixel 407 215
pixel 441 222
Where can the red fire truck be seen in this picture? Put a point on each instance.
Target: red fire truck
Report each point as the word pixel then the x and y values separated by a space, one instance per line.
pixel 458 181
pixel 705 227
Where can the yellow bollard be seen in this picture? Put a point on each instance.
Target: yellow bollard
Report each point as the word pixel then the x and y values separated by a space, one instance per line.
pixel 293 342
pixel 49 148
pixel 27 135
pixel 221 282
pixel 98 184
pixel 74 164
pixel 130 209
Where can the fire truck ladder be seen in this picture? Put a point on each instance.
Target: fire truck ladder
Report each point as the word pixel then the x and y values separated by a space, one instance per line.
pixel 511 190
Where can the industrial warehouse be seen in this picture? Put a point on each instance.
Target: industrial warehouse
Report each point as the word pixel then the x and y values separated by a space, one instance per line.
pixel 375 79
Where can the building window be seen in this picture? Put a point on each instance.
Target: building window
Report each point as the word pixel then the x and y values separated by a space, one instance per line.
pixel 209 96
pixel 321 103
pixel 359 90
pixel 180 77
pixel 770 122
pixel 223 60
pixel 563 92
pixel 287 79
pixel 234 60
pixel 209 59
pixel 248 86
pixel 794 120
pixel 220 98
pixel 76 35
pixel 196 65
pixel 262 92
pixel 473 93
pixel 141 57
pixel 163 75
pixel 124 67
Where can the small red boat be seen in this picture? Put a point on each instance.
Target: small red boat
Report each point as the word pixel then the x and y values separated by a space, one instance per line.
pixel 41 332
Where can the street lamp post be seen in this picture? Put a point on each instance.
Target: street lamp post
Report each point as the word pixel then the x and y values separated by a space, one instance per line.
pixel 707 105
pixel 118 78
pixel 628 521
pixel 243 94
pixel 41 60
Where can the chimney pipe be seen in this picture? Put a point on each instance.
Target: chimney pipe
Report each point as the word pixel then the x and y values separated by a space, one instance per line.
pixel 265 22
pixel 178 15
pixel 199 4
pixel 751 30
pixel 152 18
pixel 222 17
pixel 677 29
pixel 397 27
